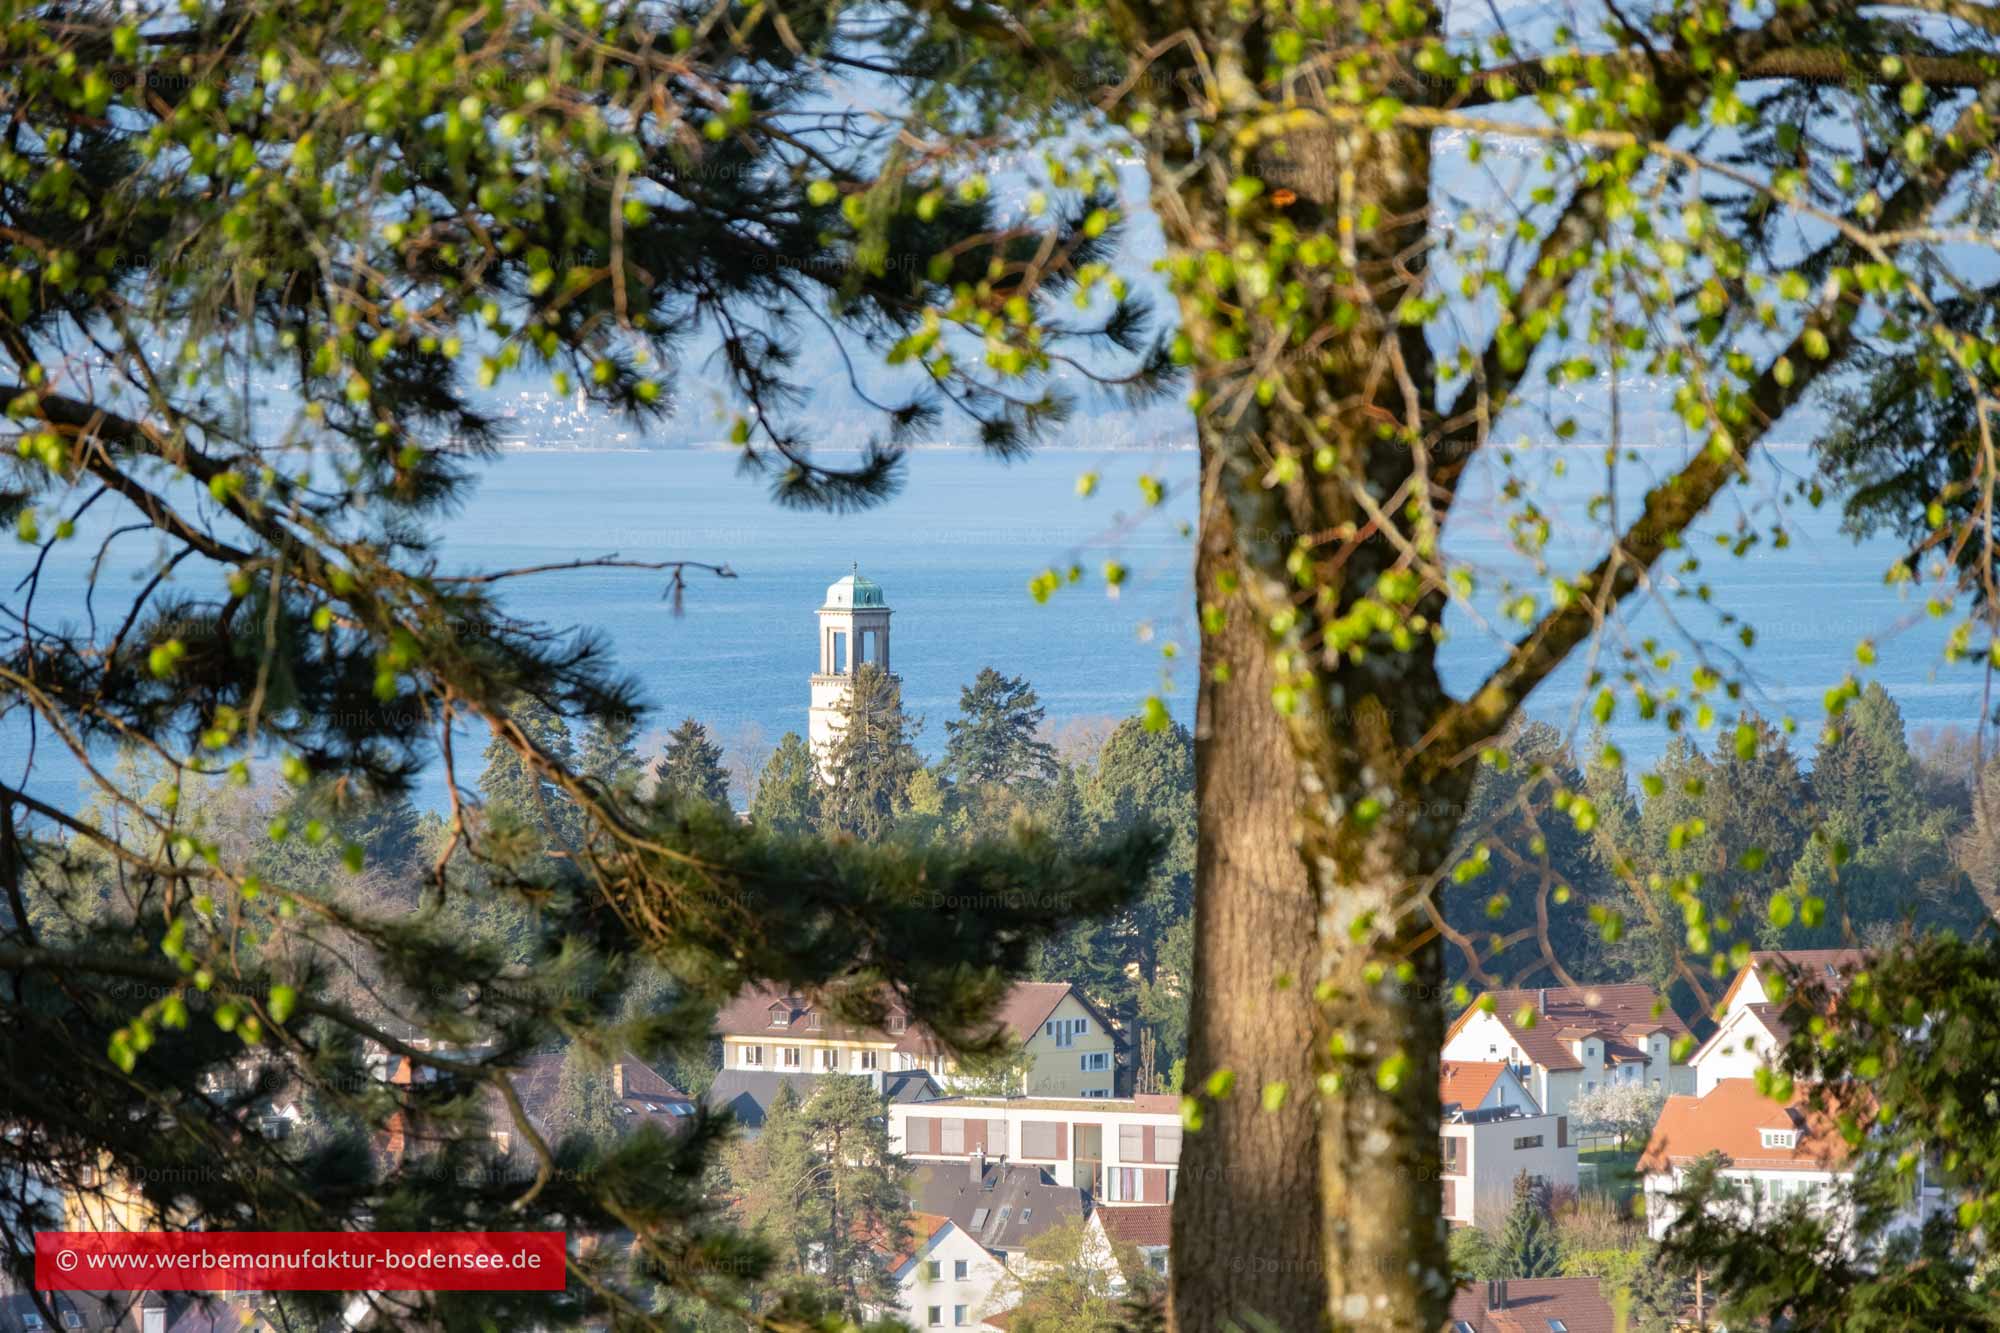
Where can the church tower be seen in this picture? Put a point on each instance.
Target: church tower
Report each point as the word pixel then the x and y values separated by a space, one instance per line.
pixel 853 628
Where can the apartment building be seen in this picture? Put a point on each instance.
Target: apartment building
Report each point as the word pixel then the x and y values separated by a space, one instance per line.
pixel 1771 1154
pixel 1493 1133
pixel 1118 1150
pixel 1564 1041
pixel 1072 1047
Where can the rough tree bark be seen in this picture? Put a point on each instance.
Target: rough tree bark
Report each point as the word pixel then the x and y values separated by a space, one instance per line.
pixel 1322 815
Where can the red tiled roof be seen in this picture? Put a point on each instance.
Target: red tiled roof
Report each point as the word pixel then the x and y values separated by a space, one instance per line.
pixel 1466 1082
pixel 1137 1224
pixel 1730 1119
pixel 1610 1010
pixel 1530 1303
pixel 916 1234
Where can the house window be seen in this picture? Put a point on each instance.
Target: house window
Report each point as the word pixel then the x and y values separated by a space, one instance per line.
pixel 958 1315
pixel 1041 1139
pixel 753 1056
pixel 1448 1155
pixel 71 1319
pixel 1780 1138
pixel 1097 1092
pixel 829 1059
pixel 952 1137
pixel 812 1020
pixel 780 1016
pixel 1527 1141
pixel 897 1023
pixel 959 1266
pixel 1121 1184
pixel 864 1059
pixel 933 1270
pixel 1065 1031
pixel 1131 1143
pixel 937 1316
pixel 1167 1144
pixel 788 1056
pixel 1096 1062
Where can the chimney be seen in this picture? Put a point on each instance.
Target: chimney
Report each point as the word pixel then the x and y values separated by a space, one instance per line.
pixel 1496 1294
pixel 977 1165
pixel 1542 1001
pixel 618 1080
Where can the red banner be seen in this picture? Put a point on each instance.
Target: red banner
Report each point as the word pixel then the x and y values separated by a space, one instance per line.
pixel 299 1260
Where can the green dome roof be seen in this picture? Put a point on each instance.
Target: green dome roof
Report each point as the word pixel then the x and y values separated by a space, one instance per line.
pixel 855 590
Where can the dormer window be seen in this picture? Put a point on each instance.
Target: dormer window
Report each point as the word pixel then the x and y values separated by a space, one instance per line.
pixel 780 1016
pixel 1781 1138
pixel 897 1023
pixel 812 1020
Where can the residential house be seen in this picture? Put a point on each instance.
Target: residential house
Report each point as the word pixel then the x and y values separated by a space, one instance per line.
pixel 1002 1205
pixel 1750 1020
pixel 1139 1234
pixel 1491 1134
pixel 747 1094
pixel 129 1312
pixel 1772 1153
pixel 1072 1045
pixel 1533 1305
pixel 642 1093
pixel 1567 1040
pixel 944 1278
pixel 1117 1150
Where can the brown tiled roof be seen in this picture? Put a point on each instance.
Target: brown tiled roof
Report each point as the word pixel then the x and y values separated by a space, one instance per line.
pixel 1137 1224
pixel 1730 1119
pixel 646 1090
pixel 1026 1006
pixel 1828 966
pixel 1607 1009
pixel 1466 1082
pixel 1530 1303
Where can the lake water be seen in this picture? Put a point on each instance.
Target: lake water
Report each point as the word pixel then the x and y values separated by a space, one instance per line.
pixel 954 553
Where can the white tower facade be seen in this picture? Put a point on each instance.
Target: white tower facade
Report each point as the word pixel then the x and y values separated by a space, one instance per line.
pixel 853 628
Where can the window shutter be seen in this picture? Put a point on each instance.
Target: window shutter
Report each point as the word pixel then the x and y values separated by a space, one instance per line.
pixel 1131 1143
pixel 996 1138
pixel 1167 1144
pixel 952 1137
pixel 1562 1131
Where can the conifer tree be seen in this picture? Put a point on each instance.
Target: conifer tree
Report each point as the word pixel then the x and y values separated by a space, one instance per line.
pixel 690 768
pixel 788 793
pixel 605 754
pixel 1529 1246
pixel 871 760
pixel 995 739
pixel 856 1205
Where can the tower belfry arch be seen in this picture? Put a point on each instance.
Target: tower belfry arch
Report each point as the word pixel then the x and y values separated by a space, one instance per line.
pixel 853 629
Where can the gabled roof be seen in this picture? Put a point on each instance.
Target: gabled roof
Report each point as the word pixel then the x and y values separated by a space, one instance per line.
pixel 1003 1208
pixel 1829 967
pixel 1530 1303
pixel 1614 1011
pixel 645 1091
pixel 1731 1119
pixel 1466 1083
pixel 1025 1007
pixel 921 1229
pixel 1770 1017
pixel 1146 1225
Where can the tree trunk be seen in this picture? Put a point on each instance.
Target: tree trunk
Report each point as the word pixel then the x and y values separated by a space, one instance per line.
pixel 1322 819
pixel 1245 1233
